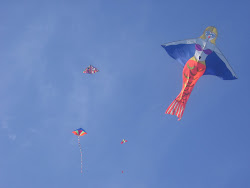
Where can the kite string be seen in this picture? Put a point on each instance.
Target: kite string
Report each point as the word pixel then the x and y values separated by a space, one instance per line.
pixel 80 151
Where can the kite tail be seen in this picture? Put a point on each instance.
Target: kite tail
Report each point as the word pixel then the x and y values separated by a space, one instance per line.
pixel 192 71
pixel 80 151
pixel 177 107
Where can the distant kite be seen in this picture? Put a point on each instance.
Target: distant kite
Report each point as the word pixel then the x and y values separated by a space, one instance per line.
pixel 199 57
pixel 79 132
pixel 90 70
pixel 123 141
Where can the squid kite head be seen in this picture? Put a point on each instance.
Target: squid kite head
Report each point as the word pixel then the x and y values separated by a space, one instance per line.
pixel 210 34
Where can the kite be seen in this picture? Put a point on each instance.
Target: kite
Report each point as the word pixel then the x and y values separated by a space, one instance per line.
pixel 79 132
pixel 199 56
pixel 90 70
pixel 123 141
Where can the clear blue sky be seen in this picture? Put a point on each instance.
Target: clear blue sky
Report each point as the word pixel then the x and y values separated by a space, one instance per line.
pixel 45 46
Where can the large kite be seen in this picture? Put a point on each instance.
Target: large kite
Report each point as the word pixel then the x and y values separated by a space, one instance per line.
pixel 79 132
pixel 199 57
pixel 90 70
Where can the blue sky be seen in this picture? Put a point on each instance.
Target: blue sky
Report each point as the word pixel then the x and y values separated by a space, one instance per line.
pixel 44 96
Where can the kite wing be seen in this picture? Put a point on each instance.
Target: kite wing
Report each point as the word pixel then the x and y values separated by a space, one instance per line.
pixel 181 51
pixel 90 70
pixel 217 65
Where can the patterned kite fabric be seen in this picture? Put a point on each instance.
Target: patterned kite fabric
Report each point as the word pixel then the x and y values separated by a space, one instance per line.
pixel 79 132
pixel 192 71
pixel 90 70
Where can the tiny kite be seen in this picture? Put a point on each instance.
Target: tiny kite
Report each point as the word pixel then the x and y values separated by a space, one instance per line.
pixel 90 70
pixel 79 132
pixel 123 141
pixel 199 57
